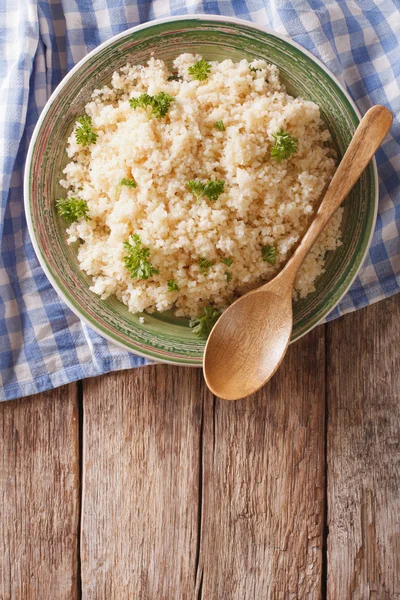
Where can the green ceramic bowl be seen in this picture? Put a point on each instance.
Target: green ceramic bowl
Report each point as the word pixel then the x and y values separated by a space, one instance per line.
pixel 164 337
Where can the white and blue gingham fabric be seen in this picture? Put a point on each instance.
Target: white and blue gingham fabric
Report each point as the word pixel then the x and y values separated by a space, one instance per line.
pixel 42 343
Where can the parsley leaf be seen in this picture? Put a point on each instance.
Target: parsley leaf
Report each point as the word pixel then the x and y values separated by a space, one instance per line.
pixel 285 146
pixel 72 209
pixel 159 103
pixel 141 101
pixel 202 325
pixel 227 261
pixel 228 276
pixel 84 133
pixel 172 285
pixel 129 182
pixel 196 187
pixel 269 254
pixel 204 265
pixel 200 70
pixel 219 125
pixel 211 189
pixel 137 259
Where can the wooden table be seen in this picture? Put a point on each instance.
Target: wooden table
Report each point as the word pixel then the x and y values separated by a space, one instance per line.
pixel 142 485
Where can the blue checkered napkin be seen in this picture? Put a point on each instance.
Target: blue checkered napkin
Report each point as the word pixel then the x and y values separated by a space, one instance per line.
pixel 42 344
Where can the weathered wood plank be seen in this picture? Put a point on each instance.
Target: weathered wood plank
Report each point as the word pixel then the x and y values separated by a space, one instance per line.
pixel 364 454
pixel 142 433
pixel 39 496
pixel 263 486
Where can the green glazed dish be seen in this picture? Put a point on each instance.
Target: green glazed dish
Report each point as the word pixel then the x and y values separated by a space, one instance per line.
pixel 163 337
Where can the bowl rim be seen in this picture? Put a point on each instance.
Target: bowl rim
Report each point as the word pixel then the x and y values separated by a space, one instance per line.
pixel 28 164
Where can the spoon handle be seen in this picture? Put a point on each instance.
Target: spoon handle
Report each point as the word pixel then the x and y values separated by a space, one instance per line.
pixel 368 137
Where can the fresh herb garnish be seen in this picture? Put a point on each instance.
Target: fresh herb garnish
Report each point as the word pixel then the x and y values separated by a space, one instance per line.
pixel 72 209
pixel 228 276
pixel 129 182
pixel 202 325
pixel 137 259
pixel 211 189
pixel 200 70
pixel 269 254
pixel 159 104
pixel 84 133
pixel 219 125
pixel 172 285
pixel 285 146
pixel 227 261
pixel 141 101
pixel 204 265
pixel 196 187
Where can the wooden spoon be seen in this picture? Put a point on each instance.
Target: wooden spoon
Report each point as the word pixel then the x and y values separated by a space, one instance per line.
pixel 250 339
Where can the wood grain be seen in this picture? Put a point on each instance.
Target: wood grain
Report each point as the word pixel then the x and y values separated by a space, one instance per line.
pixel 142 436
pixel 262 514
pixel 364 454
pixel 39 490
pixel 186 496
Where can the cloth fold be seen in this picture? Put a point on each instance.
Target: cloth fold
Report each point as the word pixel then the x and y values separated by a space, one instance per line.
pixel 42 343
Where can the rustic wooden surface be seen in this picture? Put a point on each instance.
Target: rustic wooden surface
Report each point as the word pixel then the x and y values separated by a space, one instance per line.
pixel 39 497
pixel 142 485
pixel 364 454
pixel 262 511
pixel 142 440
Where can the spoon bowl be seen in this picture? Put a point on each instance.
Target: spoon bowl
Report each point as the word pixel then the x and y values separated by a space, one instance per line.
pixel 266 334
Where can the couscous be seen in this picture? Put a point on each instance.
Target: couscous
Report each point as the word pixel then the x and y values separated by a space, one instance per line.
pixel 191 186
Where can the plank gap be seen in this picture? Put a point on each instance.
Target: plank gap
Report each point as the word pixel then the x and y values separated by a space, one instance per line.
pixel 200 594
pixel 80 484
pixel 325 528
pixel 199 575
